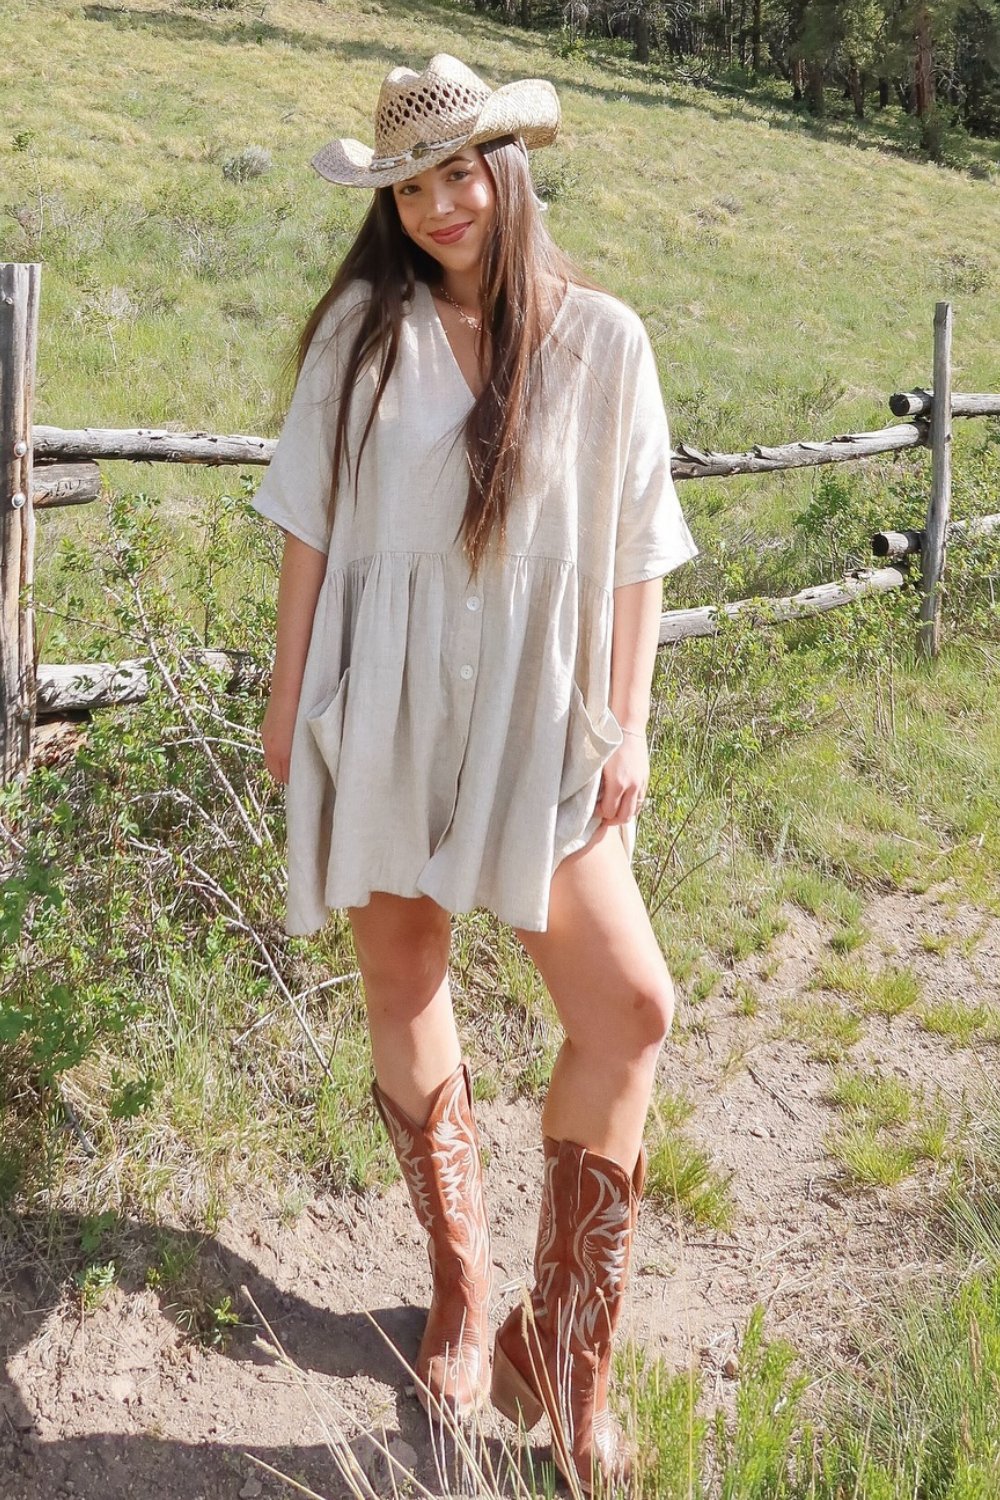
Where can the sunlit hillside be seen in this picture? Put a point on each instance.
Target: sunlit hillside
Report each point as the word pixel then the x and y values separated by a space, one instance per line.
pixel 787 270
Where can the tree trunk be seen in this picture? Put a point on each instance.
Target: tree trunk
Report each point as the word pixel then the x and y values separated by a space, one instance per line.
pixel 798 79
pixel 856 83
pixel 814 88
pixel 741 35
pixel 883 93
pixel 755 39
pixel 923 64
pixel 640 36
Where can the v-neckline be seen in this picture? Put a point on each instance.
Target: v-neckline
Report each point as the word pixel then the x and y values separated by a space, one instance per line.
pixel 442 332
pixel 439 326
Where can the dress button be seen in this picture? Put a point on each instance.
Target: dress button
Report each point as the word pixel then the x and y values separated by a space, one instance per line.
pixel 466 672
pixel 472 602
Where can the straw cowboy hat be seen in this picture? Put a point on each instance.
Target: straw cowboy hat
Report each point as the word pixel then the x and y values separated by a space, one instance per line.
pixel 423 118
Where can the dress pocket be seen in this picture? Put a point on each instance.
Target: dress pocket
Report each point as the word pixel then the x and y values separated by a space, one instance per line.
pixel 327 725
pixel 589 744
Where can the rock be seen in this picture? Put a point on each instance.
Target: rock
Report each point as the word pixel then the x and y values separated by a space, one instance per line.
pixel 122 1388
pixel 365 1453
pixel 730 1367
pixel 251 1490
pixel 404 1455
pixel 382 1474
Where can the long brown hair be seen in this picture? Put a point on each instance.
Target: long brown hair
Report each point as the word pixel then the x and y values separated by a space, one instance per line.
pixel 520 261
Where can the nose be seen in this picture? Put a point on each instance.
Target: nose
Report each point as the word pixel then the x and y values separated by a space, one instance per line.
pixel 443 200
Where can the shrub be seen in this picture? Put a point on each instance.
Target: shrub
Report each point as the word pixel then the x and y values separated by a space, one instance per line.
pixel 252 161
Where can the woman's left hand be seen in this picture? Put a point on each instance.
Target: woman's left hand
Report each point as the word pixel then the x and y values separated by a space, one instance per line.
pixel 624 782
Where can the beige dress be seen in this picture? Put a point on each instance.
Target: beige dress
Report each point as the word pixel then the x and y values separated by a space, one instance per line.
pixel 451 732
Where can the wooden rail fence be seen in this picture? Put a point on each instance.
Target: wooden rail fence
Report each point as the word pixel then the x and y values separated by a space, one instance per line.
pixel 42 468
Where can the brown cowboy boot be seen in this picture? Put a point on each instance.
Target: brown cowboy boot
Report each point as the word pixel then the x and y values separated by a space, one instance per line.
pixel 554 1357
pixel 442 1169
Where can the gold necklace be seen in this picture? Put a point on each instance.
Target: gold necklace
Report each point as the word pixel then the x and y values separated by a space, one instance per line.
pixel 475 323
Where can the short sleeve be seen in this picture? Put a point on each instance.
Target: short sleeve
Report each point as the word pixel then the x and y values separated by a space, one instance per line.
pixel 295 489
pixel 653 537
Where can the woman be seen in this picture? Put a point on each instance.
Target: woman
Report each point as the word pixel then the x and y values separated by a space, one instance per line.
pixel 474 481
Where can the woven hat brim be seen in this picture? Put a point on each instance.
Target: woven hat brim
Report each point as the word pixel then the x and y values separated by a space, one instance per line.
pixel 528 108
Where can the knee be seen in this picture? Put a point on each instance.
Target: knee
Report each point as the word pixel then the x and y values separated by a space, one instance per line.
pixel 631 1025
pixel 403 970
pixel 647 1014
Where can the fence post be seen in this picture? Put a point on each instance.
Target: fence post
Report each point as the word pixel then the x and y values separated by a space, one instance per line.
pixel 939 508
pixel 19 292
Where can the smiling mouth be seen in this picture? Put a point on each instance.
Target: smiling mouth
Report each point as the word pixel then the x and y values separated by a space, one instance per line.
pixel 445 236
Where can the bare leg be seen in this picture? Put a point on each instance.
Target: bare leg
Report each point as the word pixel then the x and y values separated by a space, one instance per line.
pixel 403 945
pixel 602 965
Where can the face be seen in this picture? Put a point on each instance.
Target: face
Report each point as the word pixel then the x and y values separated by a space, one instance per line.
pixel 456 200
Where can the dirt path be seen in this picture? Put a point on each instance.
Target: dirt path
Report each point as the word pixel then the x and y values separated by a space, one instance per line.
pixel 122 1403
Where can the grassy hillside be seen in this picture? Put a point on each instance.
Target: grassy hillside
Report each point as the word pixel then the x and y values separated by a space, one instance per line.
pixel 787 270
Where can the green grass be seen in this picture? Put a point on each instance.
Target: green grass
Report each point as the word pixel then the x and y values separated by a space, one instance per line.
pixel 902 1421
pixel 826 1029
pixel 847 939
pixel 962 1023
pixel 886 992
pixel 747 1001
pixel 185 290
pixel 932 1138
pixel 871 1158
pixel 703 986
pixel 824 897
pixel 783 778
pixel 889 1128
pixel 929 1422
pixel 679 1174
pixel 935 942
pixel 873 1099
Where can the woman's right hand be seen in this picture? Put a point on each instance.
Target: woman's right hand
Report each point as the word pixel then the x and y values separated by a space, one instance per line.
pixel 276 729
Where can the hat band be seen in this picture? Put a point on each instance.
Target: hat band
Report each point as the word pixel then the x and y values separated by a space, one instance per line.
pixel 419 149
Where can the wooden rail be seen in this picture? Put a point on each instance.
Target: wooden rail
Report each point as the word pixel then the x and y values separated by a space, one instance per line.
pixel 683 624
pixel 899 544
pixel 150 445
pixel 99 684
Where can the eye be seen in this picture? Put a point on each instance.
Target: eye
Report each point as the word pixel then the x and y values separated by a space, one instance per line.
pixel 461 172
